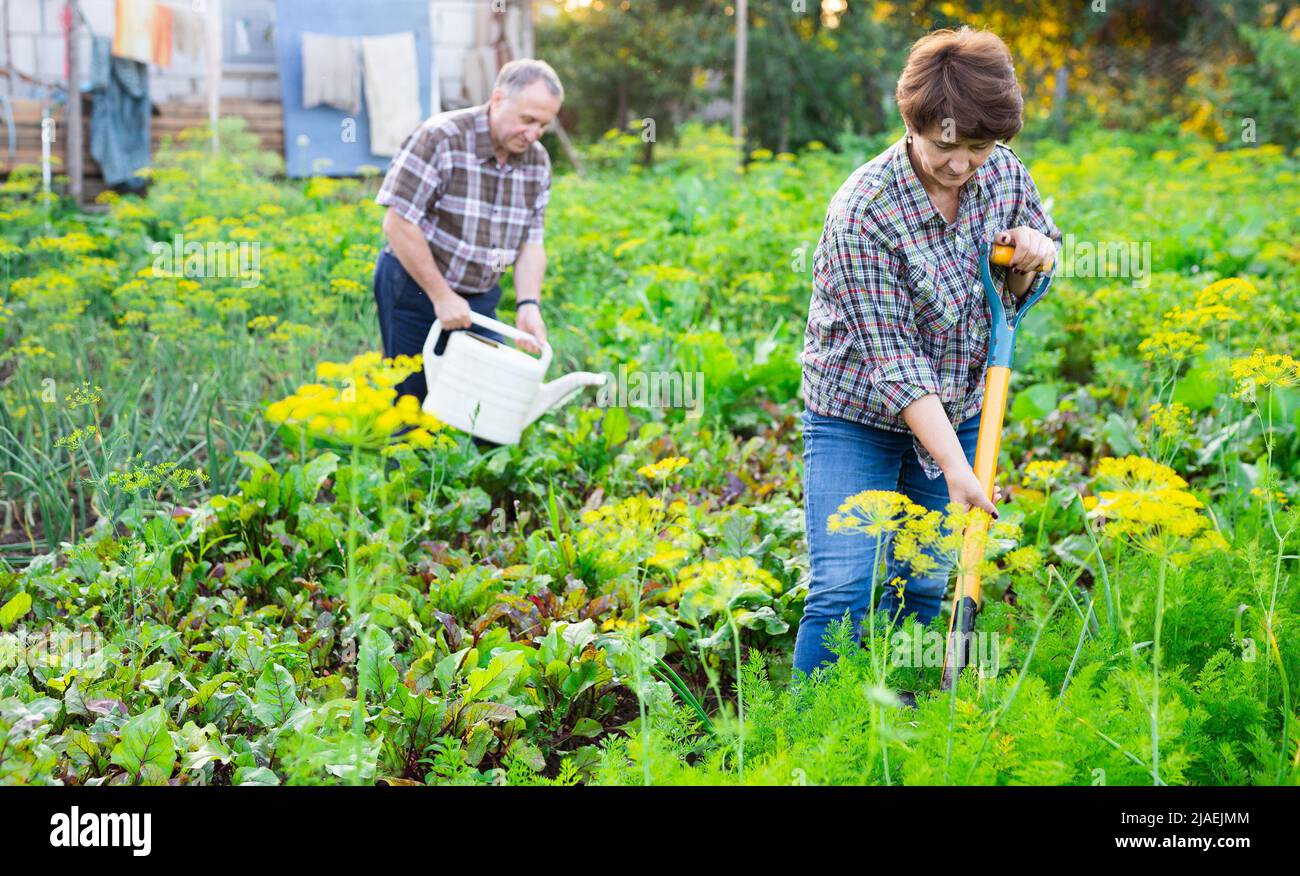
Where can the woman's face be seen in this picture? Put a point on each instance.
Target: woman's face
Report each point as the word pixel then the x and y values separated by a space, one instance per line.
pixel 948 162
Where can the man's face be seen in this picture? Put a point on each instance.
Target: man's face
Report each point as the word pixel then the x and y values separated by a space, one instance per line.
pixel 949 161
pixel 518 120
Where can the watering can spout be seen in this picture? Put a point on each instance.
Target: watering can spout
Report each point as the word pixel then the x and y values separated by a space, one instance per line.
pixel 558 391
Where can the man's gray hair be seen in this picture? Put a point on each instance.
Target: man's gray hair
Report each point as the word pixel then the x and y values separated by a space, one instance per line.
pixel 520 73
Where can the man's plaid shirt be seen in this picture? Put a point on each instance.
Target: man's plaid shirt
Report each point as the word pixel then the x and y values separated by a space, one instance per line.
pixel 897 309
pixel 475 215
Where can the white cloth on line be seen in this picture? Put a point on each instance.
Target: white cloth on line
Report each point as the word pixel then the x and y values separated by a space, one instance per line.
pixel 331 72
pixel 188 32
pixel 392 87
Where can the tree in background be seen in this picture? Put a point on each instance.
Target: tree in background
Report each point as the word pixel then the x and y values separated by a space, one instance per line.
pixel 1209 64
pixel 822 68
pixel 818 69
pixel 630 63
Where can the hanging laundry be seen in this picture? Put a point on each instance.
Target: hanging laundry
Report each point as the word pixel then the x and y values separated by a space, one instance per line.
pixel 331 72
pixel 161 32
pixel 480 73
pixel 133 30
pixel 119 120
pixel 392 86
pixel 188 32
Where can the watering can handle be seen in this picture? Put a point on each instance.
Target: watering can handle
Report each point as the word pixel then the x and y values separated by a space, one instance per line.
pixel 488 322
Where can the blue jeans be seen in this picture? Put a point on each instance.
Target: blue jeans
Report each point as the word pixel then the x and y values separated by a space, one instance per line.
pixel 406 314
pixel 842 458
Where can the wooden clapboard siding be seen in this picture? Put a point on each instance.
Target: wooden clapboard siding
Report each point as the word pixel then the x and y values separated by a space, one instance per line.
pixel 27 130
pixel 264 118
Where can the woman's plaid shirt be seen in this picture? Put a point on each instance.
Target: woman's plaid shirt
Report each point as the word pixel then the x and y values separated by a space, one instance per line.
pixel 897 309
pixel 475 215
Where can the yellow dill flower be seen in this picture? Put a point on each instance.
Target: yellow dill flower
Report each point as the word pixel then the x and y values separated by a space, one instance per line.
pixel 1225 291
pixel 1202 317
pixel 322 187
pixel 1137 472
pixel 1172 421
pixel 1263 370
pixel 899 585
pixel 1174 346
pixel 289 331
pixel 74 441
pixel 85 394
pixel 1261 493
pixel 929 539
pixel 266 321
pixel 138 477
pixel 664 468
pixel 359 410
pixel 26 349
pixel 1151 507
pixel 1047 472
pixel 74 243
pixel 666 559
pixel 1024 560
pixel 873 512
pixel 719 586
pixel 346 286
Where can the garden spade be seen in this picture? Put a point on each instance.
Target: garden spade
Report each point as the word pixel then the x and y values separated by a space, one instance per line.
pixel 1002 345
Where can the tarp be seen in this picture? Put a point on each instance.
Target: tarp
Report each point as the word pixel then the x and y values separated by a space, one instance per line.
pixel 325 141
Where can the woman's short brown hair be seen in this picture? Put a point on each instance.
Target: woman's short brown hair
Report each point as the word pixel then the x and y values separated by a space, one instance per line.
pixel 964 75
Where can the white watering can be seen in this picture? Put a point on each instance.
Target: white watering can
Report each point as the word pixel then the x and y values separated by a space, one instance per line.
pixel 491 390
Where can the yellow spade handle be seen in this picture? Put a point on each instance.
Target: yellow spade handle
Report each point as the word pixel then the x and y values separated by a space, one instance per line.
pixel 1001 255
pixel 986 465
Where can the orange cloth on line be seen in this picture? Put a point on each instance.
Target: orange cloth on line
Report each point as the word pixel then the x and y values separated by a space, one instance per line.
pixel 162 35
pixel 133 30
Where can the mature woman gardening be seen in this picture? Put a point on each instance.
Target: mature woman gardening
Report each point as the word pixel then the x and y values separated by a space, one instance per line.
pixel 898 329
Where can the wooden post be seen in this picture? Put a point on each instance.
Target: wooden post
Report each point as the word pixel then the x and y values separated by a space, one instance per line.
pixel 47 135
pixel 212 66
pixel 529 47
pixel 74 150
pixel 9 52
pixel 738 92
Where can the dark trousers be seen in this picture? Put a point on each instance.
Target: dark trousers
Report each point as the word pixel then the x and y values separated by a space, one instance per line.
pixel 406 315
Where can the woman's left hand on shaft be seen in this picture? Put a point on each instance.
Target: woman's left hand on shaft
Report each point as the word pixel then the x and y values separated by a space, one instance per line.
pixel 1034 249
